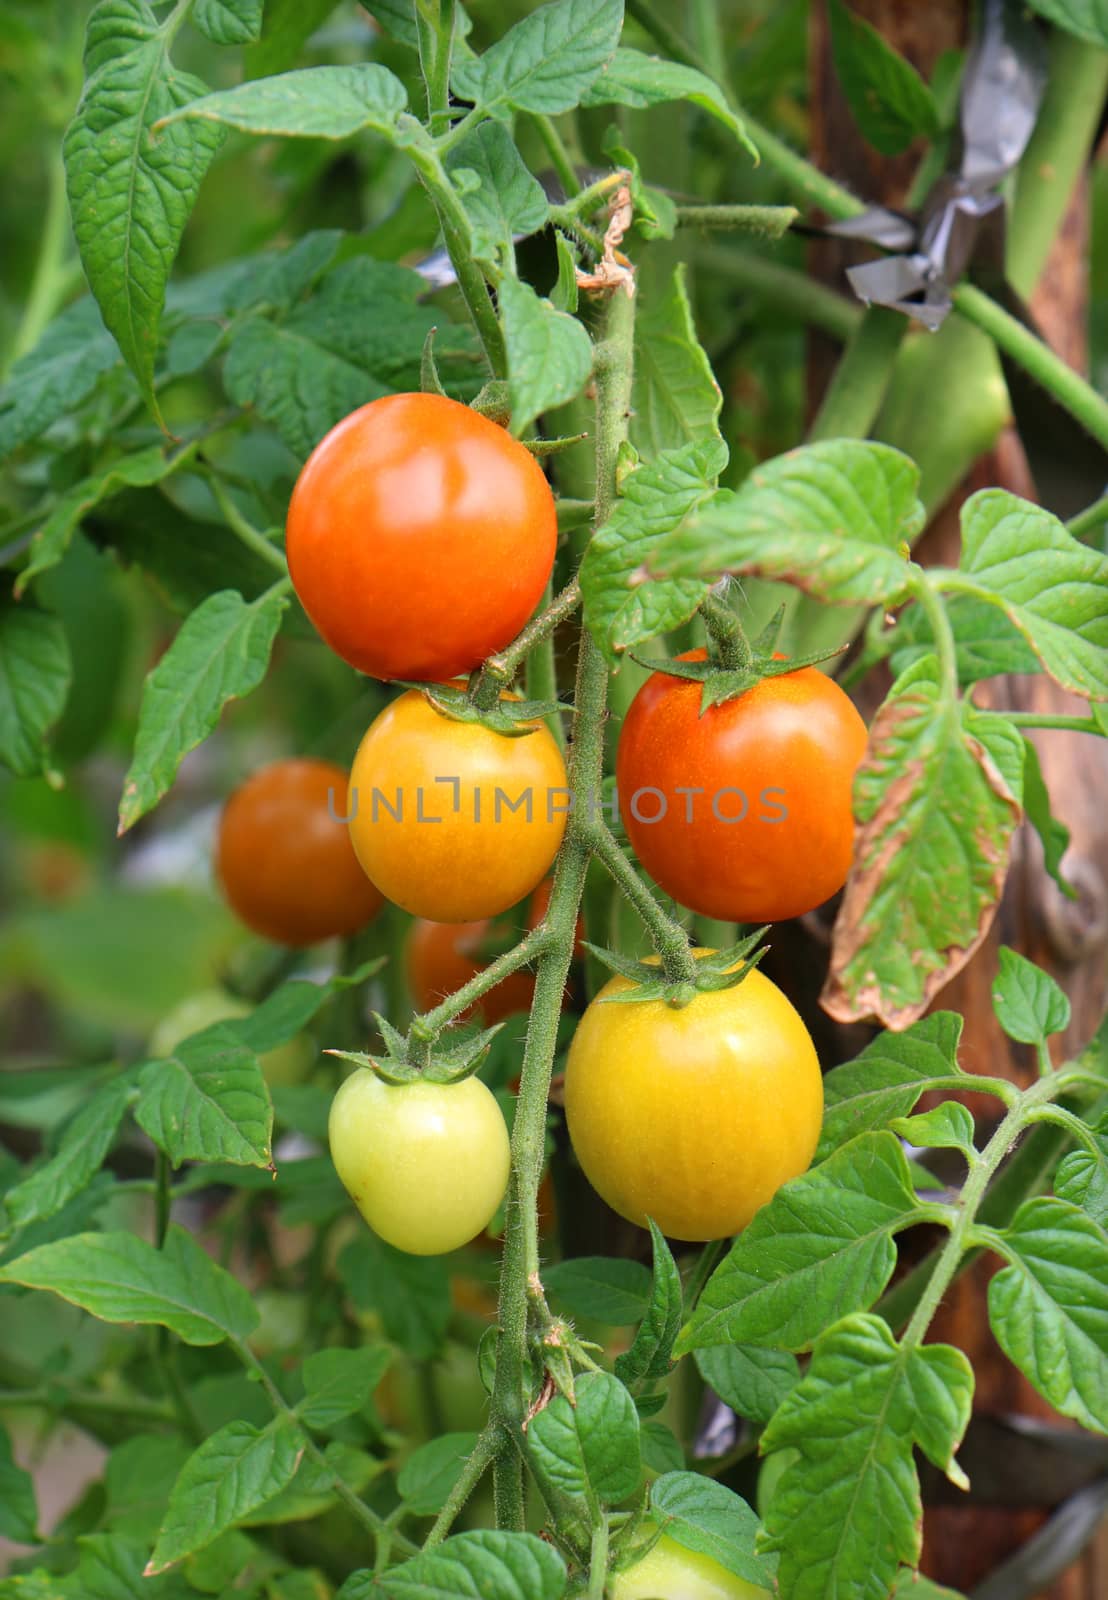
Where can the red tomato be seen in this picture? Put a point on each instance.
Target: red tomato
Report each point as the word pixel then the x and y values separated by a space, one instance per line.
pixel 420 537
pixel 743 813
pixel 286 865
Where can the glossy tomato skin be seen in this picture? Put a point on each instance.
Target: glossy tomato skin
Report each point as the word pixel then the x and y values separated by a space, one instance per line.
pixel 284 856
pixel 694 1115
pixel 420 537
pixel 425 1163
pixel 768 832
pixel 431 811
pixel 670 1572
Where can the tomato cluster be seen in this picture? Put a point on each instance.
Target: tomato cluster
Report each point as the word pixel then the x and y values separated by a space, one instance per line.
pixel 420 539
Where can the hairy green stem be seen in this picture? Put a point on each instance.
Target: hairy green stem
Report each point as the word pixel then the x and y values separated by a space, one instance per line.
pixel 540 677
pixel 431 1023
pixel 1091 520
pixel 598 1559
pixel 435 22
pixel 560 158
pixel 1044 719
pixel 77 1401
pixel 770 222
pixel 498 671
pixel 727 641
pixel 668 937
pixel 520 1262
pixel 426 159
pixel 980 1174
pixel 51 280
pixel 931 600
pixel 706 1263
pixel 491 1443
pixel 859 383
pixel 243 529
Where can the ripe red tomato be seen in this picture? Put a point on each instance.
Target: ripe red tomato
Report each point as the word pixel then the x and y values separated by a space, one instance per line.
pixel 442 956
pixel 284 856
pixel 450 820
pixel 743 813
pixel 695 1115
pixel 420 537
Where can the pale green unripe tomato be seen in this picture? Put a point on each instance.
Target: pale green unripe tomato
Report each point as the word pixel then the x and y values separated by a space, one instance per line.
pixel 670 1572
pixel 425 1163
pixel 289 1063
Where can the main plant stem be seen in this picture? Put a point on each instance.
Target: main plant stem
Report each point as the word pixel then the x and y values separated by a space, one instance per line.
pixel 520 1262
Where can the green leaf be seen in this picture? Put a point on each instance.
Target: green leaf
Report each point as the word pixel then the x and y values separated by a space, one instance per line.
pixel 823 1246
pixel 888 1077
pixel 79 1157
pixel 854 1418
pixel 221 653
pixel 1082 1176
pixel 360 336
pixel 889 100
pixel 546 61
pixel 564 295
pixel 338 1383
pixel 1028 1003
pixel 35 675
pixel 131 190
pixel 1088 19
pixel 675 399
pixel 549 353
pixel 614 1291
pixel 228 21
pixel 652 1347
pixel 312 1490
pixel 208 1102
pixel 286 26
pixel 138 471
pixel 1052 588
pixel 1049 1307
pixel 425 1480
pixel 752 1381
pixel 986 644
pixel 662 1451
pixel 120 1278
pixel 934 821
pixel 590 1450
pixel 505 200
pixel 18 1507
pixel 948 1127
pixel 229 1476
pixel 1053 833
pixel 634 79
pixel 53 378
pixel 620 609
pixel 831 518
pixel 284 1013
pixel 481 1565
pixel 707 1517
pixel 410 1294
pixel 313 103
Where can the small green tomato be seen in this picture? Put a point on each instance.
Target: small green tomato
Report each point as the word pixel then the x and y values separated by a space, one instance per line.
pixel 670 1572
pixel 425 1163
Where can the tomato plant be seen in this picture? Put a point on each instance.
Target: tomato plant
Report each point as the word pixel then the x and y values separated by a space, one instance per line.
pixel 742 811
pixel 420 537
pixel 470 405
pixel 284 858
pixel 425 1163
pixel 693 1116
pixel 452 820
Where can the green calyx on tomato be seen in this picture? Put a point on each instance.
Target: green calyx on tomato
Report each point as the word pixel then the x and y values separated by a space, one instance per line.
pixel 426 1163
pixel 420 537
pixel 452 821
pixel 742 812
pixel 670 1572
pixel 420 1056
pixel 693 1116
pixel 715 970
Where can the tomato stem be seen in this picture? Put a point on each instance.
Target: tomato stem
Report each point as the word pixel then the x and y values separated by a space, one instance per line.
pixel 498 671
pixel 668 937
pixel 727 642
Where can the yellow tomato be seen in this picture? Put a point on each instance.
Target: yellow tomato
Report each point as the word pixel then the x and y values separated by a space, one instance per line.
pixel 450 820
pixel 696 1115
